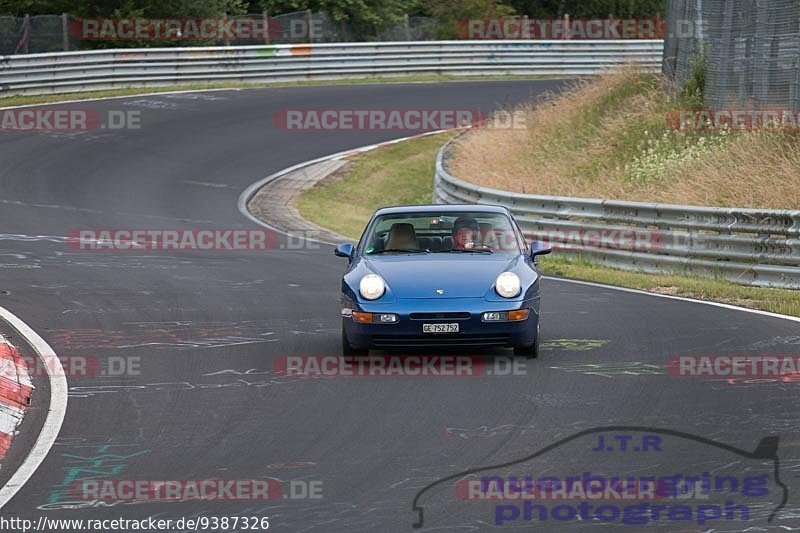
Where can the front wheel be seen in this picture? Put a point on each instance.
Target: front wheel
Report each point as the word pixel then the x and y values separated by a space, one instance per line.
pixel 347 349
pixel 531 352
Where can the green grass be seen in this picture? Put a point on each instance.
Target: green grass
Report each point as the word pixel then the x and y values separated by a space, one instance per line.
pixel 11 101
pixel 397 174
pixel 774 300
pixel 403 174
pixel 628 140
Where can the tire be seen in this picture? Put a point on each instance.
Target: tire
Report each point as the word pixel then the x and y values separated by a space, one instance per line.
pixel 347 349
pixel 531 352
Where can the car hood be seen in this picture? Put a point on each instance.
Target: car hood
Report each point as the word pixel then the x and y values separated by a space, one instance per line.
pixel 459 276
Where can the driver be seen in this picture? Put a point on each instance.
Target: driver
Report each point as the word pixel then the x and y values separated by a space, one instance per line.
pixel 466 233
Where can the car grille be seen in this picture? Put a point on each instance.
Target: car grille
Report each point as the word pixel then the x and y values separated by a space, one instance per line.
pixel 389 341
pixel 440 316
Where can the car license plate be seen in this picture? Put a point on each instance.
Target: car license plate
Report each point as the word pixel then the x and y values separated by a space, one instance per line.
pixel 440 328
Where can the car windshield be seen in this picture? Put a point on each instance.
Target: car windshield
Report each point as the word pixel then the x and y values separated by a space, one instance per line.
pixel 443 233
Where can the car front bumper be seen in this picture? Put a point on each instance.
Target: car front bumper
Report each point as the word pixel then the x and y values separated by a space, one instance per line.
pixel 466 312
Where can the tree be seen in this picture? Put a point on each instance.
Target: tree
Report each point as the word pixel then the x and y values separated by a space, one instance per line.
pixel 590 8
pixel 450 13
pixel 362 17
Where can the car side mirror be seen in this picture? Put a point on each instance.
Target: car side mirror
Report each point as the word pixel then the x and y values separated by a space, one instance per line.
pixel 538 249
pixel 344 250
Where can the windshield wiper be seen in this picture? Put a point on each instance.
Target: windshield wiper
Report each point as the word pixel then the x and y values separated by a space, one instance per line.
pixel 401 251
pixel 466 251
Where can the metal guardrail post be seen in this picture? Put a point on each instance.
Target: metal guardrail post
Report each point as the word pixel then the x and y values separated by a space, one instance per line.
pixel 65 31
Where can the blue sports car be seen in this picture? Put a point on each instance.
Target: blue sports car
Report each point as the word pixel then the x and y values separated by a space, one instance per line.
pixel 441 275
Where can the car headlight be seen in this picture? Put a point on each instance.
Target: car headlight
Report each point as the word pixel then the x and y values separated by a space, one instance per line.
pixel 372 287
pixel 507 285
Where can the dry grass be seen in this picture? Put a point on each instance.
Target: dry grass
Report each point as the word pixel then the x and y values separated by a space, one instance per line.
pixel 754 170
pixel 608 137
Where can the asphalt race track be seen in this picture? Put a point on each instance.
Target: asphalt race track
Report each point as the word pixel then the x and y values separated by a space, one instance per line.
pixel 207 327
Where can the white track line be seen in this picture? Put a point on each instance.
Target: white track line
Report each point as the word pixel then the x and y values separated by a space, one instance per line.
pixel 679 298
pixel 119 97
pixel 251 191
pixel 55 415
pixel 356 82
pixel 248 193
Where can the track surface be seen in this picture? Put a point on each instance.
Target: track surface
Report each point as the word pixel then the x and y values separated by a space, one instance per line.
pixel 207 327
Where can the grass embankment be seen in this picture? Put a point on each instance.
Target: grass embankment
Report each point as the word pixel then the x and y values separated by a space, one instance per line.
pixel 609 137
pixel 398 174
pixel 402 174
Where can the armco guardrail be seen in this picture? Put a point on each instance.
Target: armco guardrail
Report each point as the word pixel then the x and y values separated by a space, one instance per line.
pixel 749 246
pixel 111 69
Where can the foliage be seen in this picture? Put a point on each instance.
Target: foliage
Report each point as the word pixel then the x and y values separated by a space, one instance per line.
pixel 373 13
pixel 590 8
pixel 449 13
pixel 693 91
